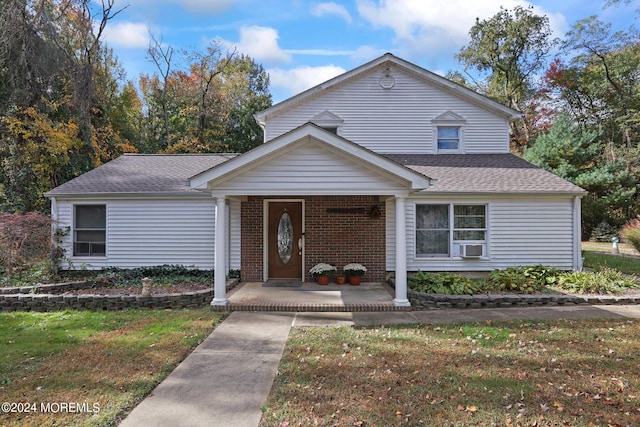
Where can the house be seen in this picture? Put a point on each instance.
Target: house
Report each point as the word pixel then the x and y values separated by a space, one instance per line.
pixel 387 165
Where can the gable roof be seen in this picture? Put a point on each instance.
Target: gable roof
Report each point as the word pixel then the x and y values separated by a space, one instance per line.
pixel 485 173
pixel 141 174
pixel 390 60
pixel 410 180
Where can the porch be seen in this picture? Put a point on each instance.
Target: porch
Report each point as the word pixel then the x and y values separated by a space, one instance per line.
pixel 309 296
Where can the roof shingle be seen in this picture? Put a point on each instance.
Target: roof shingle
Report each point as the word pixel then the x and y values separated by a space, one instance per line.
pixel 142 173
pixel 484 173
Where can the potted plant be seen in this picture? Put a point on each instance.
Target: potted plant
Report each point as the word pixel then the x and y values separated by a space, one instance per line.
pixel 322 272
pixel 354 271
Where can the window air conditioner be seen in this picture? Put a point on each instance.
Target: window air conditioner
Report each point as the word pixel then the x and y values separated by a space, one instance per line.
pixel 471 251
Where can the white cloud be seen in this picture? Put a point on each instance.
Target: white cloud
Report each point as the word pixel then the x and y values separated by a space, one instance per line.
pixel 324 9
pixel 260 43
pixel 296 80
pixel 127 34
pixel 434 27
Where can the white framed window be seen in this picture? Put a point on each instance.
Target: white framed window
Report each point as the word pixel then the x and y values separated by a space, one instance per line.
pixel 441 229
pixel 89 230
pixel 448 133
pixel 448 138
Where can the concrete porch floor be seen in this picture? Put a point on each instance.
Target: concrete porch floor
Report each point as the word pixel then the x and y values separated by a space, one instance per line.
pixel 253 296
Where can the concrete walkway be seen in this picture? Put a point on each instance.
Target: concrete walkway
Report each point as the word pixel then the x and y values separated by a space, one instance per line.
pixel 226 380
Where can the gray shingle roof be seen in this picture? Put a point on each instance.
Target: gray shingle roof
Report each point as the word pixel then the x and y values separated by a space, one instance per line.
pixel 455 173
pixel 142 173
pixel 484 173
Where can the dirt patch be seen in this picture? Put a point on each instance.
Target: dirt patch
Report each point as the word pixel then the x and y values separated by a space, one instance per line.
pixel 177 288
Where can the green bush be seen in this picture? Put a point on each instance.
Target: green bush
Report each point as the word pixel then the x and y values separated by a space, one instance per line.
pixel 605 281
pixel 631 232
pixel 522 280
pixel 161 275
pixel 603 232
pixel 444 283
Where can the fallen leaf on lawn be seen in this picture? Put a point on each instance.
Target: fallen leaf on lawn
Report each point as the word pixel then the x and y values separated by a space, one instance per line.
pixel 472 408
pixel 559 406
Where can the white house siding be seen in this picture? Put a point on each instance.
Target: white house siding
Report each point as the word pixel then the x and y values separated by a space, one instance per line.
pixel 521 231
pixel 149 232
pixel 310 169
pixel 396 120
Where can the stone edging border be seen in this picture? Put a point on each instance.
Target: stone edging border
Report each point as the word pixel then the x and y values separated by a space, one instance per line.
pixel 39 298
pixel 421 301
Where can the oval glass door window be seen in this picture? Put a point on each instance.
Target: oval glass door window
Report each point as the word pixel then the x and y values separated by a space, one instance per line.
pixel 285 238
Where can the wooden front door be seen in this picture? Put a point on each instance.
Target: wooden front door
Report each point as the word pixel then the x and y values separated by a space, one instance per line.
pixel 285 240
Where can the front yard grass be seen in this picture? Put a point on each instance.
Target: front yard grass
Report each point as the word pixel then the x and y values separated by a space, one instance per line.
pixel 552 373
pixel 94 360
pixel 627 265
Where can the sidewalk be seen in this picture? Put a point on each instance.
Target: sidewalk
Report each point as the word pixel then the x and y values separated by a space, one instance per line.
pixel 227 378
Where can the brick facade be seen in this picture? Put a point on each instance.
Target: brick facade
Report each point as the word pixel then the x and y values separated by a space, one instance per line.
pixel 338 230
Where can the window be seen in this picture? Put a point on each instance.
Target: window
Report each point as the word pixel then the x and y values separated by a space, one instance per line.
pixel 448 137
pixel 439 228
pixel 448 133
pixel 89 232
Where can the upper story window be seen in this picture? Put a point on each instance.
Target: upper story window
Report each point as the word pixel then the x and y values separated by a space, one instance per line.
pixel 89 230
pixel 329 121
pixel 448 137
pixel 449 133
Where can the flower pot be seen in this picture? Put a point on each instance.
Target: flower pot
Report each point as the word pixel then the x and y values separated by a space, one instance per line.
pixel 340 280
pixel 323 280
pixel 355 280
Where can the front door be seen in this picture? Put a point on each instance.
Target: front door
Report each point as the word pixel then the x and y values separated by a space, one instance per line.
pixel 285 240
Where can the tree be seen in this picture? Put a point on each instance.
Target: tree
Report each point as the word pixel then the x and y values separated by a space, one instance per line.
pixel 508 50
pixel 246 87
pixel 573 153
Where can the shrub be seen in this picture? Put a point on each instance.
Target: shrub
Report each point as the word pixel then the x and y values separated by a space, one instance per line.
pixel 523 280
pixel 444 283
pixel 631 232
pixel 161 274
pixel 603 232
pixel 25 240
pixel 605 281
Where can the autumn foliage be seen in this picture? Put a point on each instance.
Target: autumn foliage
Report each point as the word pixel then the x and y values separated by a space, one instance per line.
pixel 24 240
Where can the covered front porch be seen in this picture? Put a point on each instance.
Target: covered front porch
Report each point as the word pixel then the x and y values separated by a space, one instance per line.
pixel 298 195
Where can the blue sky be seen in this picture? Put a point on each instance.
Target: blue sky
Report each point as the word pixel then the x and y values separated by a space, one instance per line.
pixel 302 43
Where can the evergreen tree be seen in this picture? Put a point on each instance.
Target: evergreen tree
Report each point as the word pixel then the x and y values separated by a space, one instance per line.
pixel 576 155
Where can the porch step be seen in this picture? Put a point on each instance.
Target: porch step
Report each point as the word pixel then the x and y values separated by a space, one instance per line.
pixel 301 307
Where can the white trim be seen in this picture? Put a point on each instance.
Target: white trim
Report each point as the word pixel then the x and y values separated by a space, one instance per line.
pixel 577 233
pixel 401 253
pixel 220 276
pixel 265 234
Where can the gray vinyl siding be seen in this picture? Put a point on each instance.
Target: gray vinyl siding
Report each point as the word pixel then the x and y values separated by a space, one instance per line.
pixel 520 231
pixel 397 120
pixel 312 169
pixel 149 232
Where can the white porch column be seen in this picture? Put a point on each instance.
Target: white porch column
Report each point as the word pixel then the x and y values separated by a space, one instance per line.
pixel 401 254
pixel 220 277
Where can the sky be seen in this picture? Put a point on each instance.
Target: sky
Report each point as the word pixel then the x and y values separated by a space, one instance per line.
pixel 304 43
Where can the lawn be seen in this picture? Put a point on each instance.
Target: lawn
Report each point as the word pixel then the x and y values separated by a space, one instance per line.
pixel 555 373
pixel 89 368
pixel 626 265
